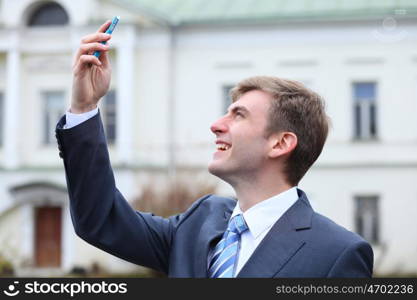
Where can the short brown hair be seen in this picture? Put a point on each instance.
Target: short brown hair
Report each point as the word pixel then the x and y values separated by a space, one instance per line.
pixel 294 108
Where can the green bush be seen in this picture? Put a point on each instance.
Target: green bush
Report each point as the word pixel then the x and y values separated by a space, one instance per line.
pixel 6 267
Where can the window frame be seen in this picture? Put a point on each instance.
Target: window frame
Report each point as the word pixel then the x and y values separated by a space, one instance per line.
pixel 48 126
pixel 105 111
pixel 2 119
pixel 226 99
pixel 34 18
pixel 365 113
pixel 372 234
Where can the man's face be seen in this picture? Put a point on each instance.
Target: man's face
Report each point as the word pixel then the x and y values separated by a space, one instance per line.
pixel 240 138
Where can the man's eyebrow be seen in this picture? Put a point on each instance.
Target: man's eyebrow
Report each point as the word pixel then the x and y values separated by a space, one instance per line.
pixel 239 108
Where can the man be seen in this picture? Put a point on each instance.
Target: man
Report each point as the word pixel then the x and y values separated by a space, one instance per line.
pixel 271 135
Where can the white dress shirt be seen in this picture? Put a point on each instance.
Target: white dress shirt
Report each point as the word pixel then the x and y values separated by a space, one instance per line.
pixel 259 218
pixel 73 120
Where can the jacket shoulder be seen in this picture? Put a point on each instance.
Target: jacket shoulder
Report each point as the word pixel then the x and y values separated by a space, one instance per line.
pixel 333 234
pixel 206 205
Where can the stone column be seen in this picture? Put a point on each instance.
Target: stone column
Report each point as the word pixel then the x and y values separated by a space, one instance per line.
pixel 11 109
pixel 125 57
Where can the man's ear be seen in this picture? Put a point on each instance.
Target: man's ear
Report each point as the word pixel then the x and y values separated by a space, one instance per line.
pixel 282 143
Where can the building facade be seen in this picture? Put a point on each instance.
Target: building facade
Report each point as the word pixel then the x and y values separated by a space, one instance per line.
pixel 173 63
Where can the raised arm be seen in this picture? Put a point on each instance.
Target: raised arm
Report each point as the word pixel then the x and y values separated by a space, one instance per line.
pixel 100 214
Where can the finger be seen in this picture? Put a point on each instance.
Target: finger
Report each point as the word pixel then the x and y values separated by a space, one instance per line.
pixel 104 58
pixel 92 47
pixel 99 36
pixel 96 37
pixel 85 61
pixel 104 26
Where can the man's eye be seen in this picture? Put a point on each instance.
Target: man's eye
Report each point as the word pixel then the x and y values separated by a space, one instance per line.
pixel 239 114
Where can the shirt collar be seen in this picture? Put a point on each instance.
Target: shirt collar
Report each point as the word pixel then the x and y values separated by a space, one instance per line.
pixel 266 213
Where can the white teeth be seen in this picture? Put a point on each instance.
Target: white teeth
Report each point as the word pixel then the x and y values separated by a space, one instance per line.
pixel 222 147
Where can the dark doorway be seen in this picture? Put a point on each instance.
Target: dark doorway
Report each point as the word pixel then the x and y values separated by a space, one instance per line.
pixel 48 236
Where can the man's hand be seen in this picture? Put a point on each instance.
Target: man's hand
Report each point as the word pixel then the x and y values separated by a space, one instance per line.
pixel 91 74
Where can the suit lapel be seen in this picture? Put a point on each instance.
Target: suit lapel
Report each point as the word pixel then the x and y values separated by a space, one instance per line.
pixel 212 229
pixel 282 241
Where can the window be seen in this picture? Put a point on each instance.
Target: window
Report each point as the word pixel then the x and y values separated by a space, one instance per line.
pixel 54 109
pixel 365 110
pixel 108 113
pixel 227 100
pixel 48 14
pixel 367 218
pixel 1 118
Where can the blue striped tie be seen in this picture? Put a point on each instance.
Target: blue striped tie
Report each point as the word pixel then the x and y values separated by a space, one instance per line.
pixel 223 262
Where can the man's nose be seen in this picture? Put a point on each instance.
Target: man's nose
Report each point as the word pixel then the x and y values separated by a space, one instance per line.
pixel 219 126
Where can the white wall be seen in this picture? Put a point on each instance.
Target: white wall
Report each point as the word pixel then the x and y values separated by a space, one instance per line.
pixel 326 56
pixel 332 192
pixel 328 63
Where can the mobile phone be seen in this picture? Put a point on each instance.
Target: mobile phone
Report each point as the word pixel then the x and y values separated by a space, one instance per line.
pixel 108 31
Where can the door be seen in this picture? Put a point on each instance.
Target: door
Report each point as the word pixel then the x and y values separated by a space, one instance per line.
pixel 48 236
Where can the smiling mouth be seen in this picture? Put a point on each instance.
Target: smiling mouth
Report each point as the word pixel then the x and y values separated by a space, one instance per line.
pixel 223 147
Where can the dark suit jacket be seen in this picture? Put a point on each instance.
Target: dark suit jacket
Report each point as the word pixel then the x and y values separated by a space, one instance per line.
pixel 302 243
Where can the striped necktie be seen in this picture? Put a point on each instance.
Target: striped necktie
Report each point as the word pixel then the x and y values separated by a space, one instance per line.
pixel 224 260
